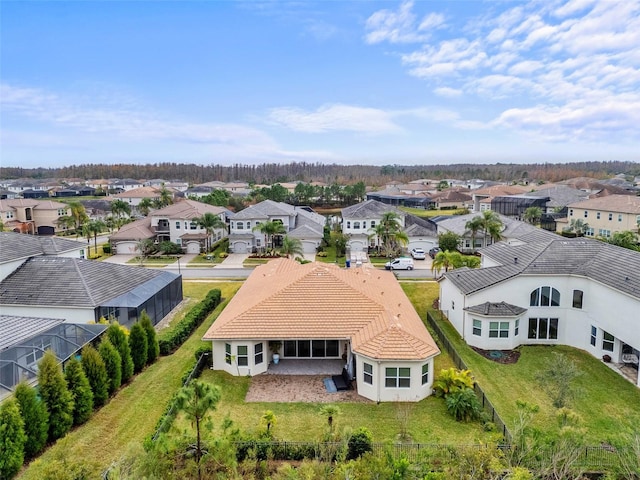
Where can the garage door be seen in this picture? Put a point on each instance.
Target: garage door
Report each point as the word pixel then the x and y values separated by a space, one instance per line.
pixel 193 247
pixel 239 247
pixel 46 231
pixel 426 245
pixel 126 248
pixel 357 246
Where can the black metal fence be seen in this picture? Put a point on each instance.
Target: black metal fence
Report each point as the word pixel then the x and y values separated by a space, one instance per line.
pixel 460 364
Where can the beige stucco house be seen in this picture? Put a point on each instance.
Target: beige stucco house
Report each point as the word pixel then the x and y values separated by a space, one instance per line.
pixel 605 215
pixel 318 312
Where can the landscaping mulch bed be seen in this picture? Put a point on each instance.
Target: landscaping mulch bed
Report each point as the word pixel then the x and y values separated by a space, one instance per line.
pixel 499 356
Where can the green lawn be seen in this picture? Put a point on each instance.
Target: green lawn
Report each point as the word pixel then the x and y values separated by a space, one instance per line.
pixel 420 212
pixel 133 413
pixel 607 403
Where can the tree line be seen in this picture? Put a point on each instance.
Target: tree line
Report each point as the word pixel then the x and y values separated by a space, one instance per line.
pixel 270 173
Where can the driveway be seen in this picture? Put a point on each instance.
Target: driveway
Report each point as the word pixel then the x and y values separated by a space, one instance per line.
pixel 234 260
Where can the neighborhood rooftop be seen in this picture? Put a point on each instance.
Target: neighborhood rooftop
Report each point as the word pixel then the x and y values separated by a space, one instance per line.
pixel 14 246
pixel 284 299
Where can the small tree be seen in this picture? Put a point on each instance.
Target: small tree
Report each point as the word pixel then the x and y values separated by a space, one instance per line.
pixel 139 347
pixel 96 372
pixel 448 241
pixel 12 438
pixel 331 412
pixel 153 348
pixel 119 340
pixel 463 405
pixel 268 419
pixel 196 401
pixel 36 419
pixel 451 380
pixel 55 394
pixel 145 247
pixel 360 442
pixel 291 246
pixel 112 364
pixel 80 391
pixel 557 379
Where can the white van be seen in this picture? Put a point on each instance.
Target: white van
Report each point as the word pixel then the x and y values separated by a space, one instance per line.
pixel 401 263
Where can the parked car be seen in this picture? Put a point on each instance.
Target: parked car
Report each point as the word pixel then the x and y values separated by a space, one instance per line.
pixel 434 251
pixel 402 263
pixel 418 254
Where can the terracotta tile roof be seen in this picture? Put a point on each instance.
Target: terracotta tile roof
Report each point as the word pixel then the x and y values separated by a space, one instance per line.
pixel 286 300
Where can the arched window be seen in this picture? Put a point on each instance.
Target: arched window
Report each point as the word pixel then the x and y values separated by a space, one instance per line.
pixel 545 297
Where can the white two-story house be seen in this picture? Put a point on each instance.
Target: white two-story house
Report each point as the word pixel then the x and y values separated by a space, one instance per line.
pixel 578 292
pixel 298 222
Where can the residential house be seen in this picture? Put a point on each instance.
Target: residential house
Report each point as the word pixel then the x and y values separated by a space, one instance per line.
pixel 124 185
pixel 135 195
pixel 32 215
pixel 359 222
pixel 605 215
pixel 318 313
pixel 482 197
pixel 578 292
pixel 81 291
pixel 298 222
pixel 16 248
pixel 451 199
pixel 175 223
pixel 512 231
pixel 418 196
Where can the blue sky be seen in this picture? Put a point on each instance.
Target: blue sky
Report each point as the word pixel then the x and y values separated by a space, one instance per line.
pixel 369 82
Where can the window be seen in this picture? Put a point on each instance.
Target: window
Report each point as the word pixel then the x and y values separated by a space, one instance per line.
pixel 571 212
pixel 364 225
pixel 239 225
pixel 498 329
pixel 177 225
pixel 397 377
pixel 308 348
pixel 594 335
pixel 586 214
pixel 243 356
pixel 248 225
pixel 516 330
pixel 227 353
pixel 373 222
pixel 598 215
pixel 356 225
pixel 607 341
pixel 545 297
pixel 543 328
pixel 619 217
pixel 348 224
pixel 367 373
pixel 9 215
pixel 477 328
pixel 577 299
pixel 610 216
pixel 193 225
pixel 257 352
pixel 603 232
pixel 589 232
pixel 425 374
pixel 453 305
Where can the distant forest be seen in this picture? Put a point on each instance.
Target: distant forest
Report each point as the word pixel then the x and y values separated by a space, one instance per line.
pixel 269 173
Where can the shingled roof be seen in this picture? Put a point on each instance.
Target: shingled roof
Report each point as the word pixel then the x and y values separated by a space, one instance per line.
pixel 369 209
pixel 493 309
pixel 14 246
pixel 608 264
pixel 286 300
pixel 71 282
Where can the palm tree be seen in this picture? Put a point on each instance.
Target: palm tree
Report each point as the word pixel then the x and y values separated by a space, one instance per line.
pixel 533 214
pixel 145 206
pixel 66 222
pixel 269 419
pixel 165 196
pixel 392 234
pixel 377 232
pixel 474 225
pixel 79 215
pixel 210 222
pixel 119 208
pixel 270 229
pixel 330 411
pixel 291 246
pixel 93 228
pixel 578 226
pixel 491 225
pixel 447 259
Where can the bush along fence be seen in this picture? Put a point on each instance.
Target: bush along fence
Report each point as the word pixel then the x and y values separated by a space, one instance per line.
pixel 171 339
pixel 460 364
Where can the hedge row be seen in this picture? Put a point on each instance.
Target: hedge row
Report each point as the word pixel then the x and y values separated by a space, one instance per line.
pixel 171 339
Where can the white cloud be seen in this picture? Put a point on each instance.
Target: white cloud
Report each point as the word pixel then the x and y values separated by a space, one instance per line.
pixel 401 26
pixel 335 117
pixel 447 92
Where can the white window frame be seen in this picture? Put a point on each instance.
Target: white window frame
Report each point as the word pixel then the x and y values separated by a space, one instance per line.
pixel 367 373
pixel 477 327
pixel 227 353
pixel 547 333
pixel 397 377
pixel 258 353
pixel 498 329
pixel 608 343
pixel 242 359
pixel 425 374
pixel 594 336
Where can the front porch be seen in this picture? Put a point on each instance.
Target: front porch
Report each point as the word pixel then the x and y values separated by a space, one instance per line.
pixel 306 367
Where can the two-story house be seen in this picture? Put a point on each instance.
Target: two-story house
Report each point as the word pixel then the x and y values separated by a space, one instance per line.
pixel 578 292
pixel 605 215
pixel 177 223
pixel 33 216
pixel 298 222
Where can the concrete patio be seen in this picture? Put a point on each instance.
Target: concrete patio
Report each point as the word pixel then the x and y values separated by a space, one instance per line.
pixel 306 367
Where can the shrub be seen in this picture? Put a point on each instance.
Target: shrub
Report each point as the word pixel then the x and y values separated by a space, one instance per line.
pixel 463 405
pixel 12 439
pixel 153 349
pixel 106 248
pixel 96 372
pixel 321 254
pixel 36 419
pixel 112 364
pixel 80 391
pixel 119 340
pixel 171 339
pixel 451 380
pixel 223 255
pixel 360 442
pixel 56 396
pixel 139 347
